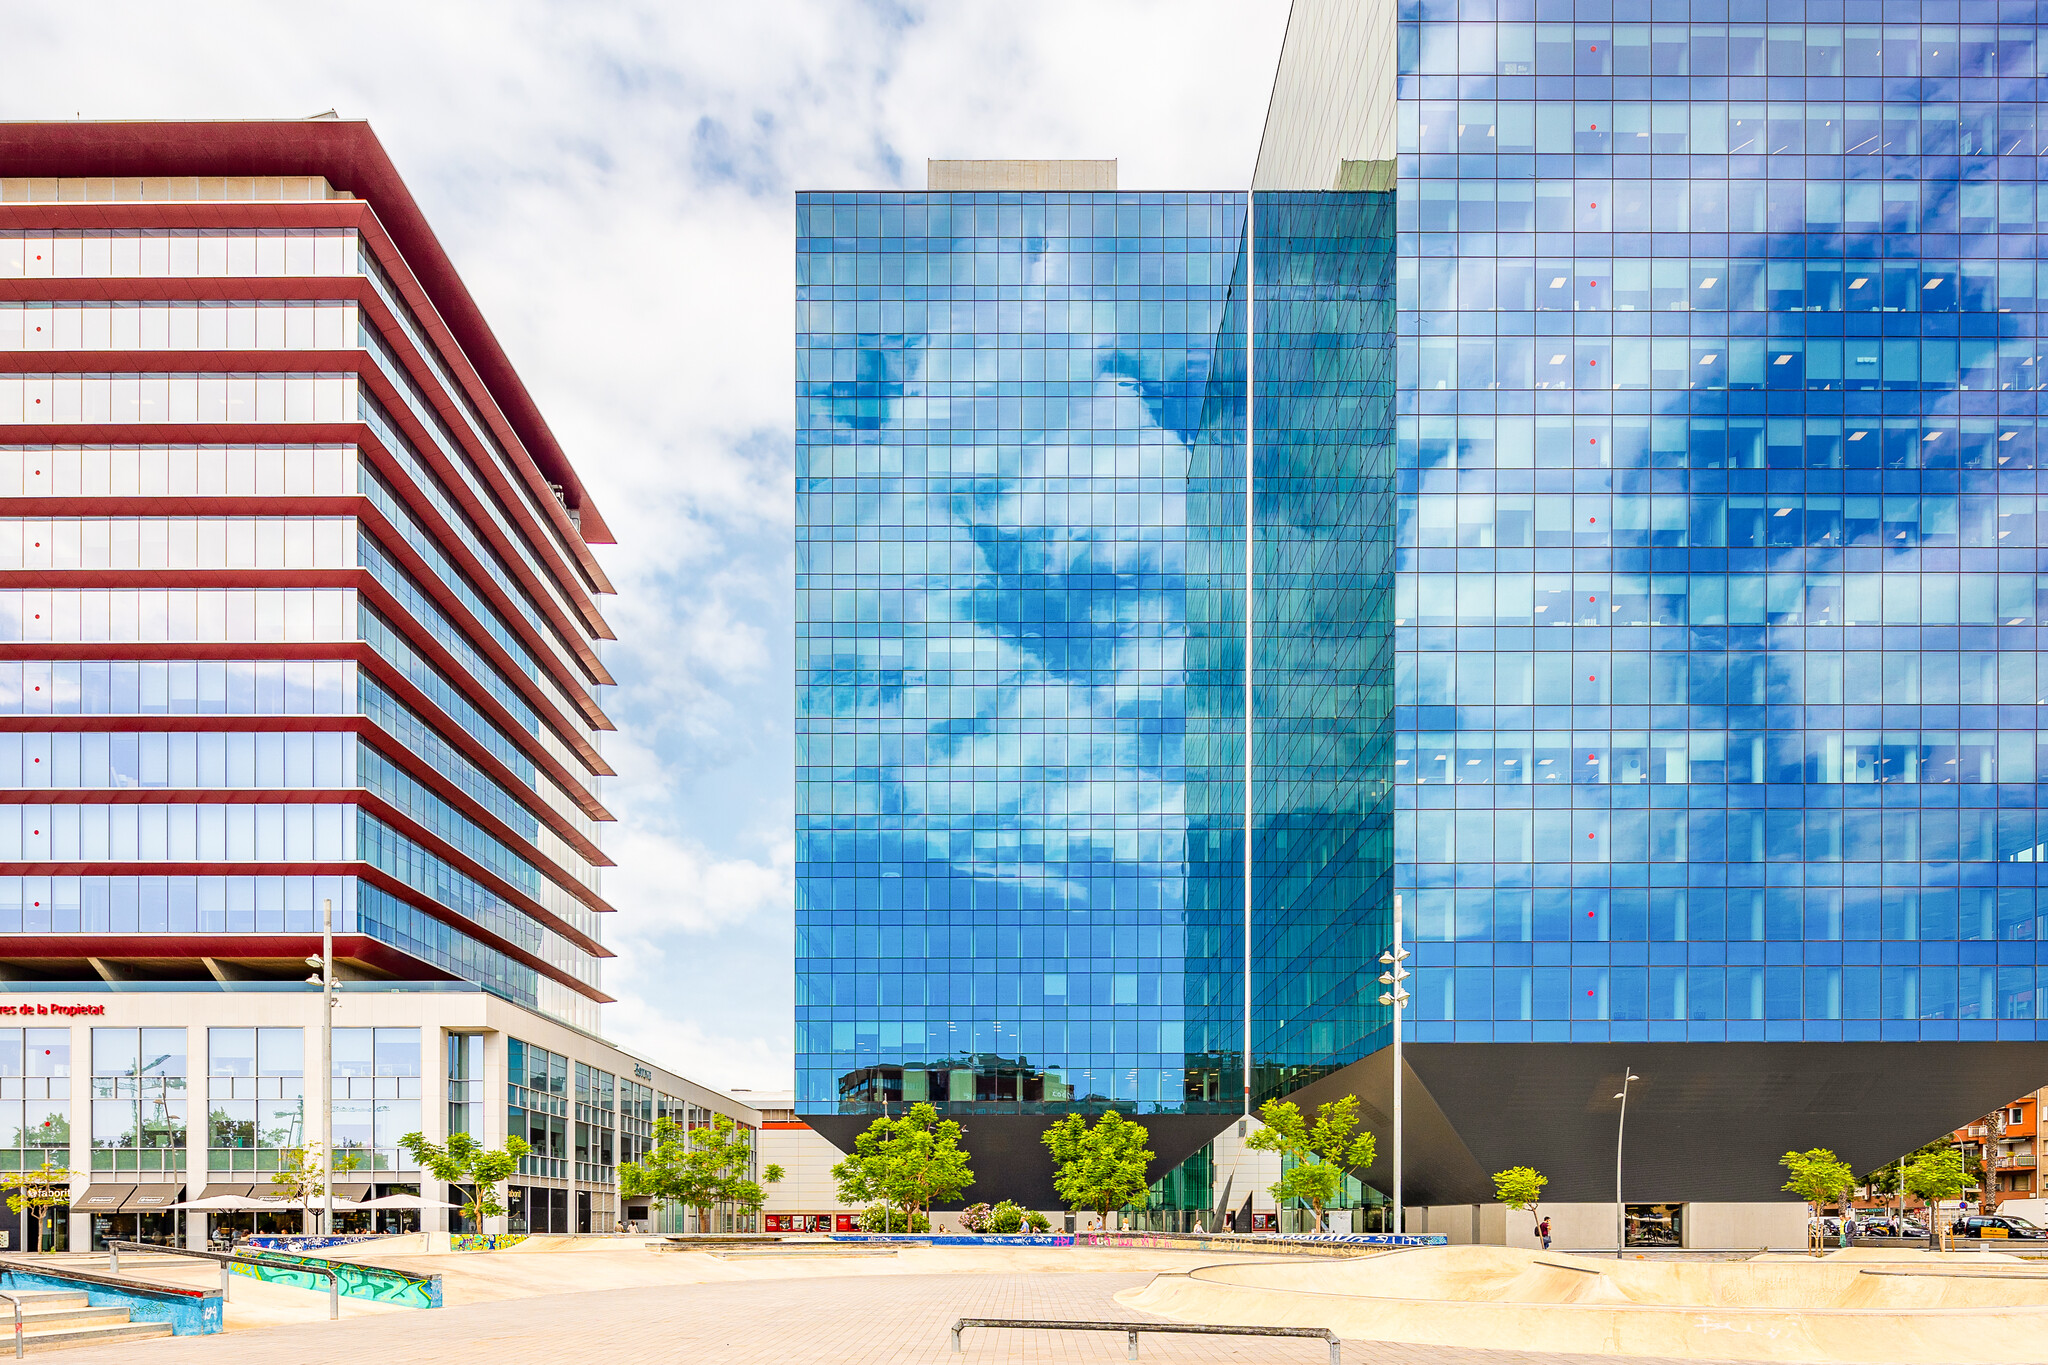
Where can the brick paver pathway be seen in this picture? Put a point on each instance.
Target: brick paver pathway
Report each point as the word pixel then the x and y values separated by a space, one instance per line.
pixel 893 1320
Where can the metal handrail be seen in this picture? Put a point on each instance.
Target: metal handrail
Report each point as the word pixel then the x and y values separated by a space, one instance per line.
pixel 226 1259
pixel 15 1299
pixel 1131 1330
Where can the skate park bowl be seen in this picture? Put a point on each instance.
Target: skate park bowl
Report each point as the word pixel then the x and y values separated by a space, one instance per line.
pixel 1904 1307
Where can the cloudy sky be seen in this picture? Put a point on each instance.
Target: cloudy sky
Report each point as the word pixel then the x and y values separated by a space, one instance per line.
pixel 614 182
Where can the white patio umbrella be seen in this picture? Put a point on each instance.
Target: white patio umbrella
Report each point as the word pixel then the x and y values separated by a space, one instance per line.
pixel 231 1203
pixel 404 1201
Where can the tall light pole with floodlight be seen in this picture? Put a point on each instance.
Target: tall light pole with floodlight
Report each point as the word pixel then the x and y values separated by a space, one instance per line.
pixel 1620 1220
pixel 1396 996
pixel 324 979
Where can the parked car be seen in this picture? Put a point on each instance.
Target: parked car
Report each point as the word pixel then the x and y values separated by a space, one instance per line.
pixel 1998 1225
pixel 1887 1224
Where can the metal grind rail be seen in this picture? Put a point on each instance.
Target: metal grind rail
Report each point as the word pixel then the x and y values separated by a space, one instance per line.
pixel 15 1299
pixel 227 1259
pixel 1131 1330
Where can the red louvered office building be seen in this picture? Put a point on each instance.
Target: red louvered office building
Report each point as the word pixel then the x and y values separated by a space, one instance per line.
pixel 298 609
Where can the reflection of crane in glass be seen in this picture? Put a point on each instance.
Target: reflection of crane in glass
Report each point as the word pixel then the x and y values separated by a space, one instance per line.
pixel 161 1125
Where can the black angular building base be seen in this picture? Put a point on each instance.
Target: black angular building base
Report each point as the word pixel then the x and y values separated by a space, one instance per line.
pixel 1707 1121
pixel 1008 1155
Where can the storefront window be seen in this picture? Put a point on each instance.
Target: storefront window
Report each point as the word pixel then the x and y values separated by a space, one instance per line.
pixel 537 1107
pixel 35 1097
pixel 376 1097
pixel 1655 1225
pixel 138 1100
pixel 466 1083
pixel 255 1097
pixel 35 1121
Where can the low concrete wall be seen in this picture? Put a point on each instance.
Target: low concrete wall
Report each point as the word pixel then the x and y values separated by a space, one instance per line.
pixel 963 1239
pixel 355 1281
pixel 190 1312
pixel 1264 1243
pixel 1780 1226
pixel 1590 1227
pixel 1785 1309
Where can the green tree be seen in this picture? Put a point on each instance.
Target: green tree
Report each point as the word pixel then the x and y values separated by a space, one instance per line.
pixel 301 1178
pixel 882 1218
pixel 1884 1182
pixel 467 1162
pixel 1819 1177
pixel 1935 1176
pixel 1520 1187
pixel 1323 1154
pixel 36 1192
pixel 699 1168
pixel 1100 1168
pixel 907 1163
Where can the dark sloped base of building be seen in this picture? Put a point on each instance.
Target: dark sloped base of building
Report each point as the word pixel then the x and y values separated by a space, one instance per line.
pixel 1008 1154
pixel 1707 1121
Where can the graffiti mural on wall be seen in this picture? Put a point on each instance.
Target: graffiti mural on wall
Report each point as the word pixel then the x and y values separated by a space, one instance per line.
pixel 357 1281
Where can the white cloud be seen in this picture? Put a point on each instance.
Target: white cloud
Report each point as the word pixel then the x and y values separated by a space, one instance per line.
pixel 614 183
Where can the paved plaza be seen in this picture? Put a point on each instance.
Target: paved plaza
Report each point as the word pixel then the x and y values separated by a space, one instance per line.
pixel 853 1320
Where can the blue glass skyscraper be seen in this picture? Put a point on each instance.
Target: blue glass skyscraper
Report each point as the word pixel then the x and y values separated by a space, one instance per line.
pixel 1020 483
pixel 1657 622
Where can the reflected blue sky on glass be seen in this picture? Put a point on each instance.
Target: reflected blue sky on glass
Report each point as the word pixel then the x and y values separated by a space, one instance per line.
pixel 1007 539
pixel 1719 588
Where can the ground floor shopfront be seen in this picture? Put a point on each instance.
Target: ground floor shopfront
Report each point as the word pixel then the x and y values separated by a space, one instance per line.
pixel 152 1094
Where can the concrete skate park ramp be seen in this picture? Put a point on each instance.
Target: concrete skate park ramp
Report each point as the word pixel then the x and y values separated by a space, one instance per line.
pixel 1870 1306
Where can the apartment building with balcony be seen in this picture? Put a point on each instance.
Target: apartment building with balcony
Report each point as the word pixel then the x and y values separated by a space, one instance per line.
pixel 2005 1145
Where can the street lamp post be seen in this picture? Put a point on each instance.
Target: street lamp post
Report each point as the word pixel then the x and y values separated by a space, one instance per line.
pixel 1397 997
pixel 1620 1219
pixel 324 979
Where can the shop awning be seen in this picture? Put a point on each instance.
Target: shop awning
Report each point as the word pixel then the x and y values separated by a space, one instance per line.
pixel 102 1198
pixel 357 1190
pixel 149 1198
pixel 237 1191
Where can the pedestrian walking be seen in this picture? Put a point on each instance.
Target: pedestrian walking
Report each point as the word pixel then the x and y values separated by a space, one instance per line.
pixel 1543 1229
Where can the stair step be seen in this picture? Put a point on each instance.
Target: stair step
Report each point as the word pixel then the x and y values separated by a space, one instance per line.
pixel 34 1319
pixel 59 1339
pixel 33 1299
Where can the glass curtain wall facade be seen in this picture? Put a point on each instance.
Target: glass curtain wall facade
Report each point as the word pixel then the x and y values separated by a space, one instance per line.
pixel 1323 630
pixel 289 617
pixel 1020 544
pixel 1720 568
pixel 1021 646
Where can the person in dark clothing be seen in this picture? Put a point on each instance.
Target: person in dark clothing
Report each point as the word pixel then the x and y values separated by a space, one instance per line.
pixel 1543 1231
